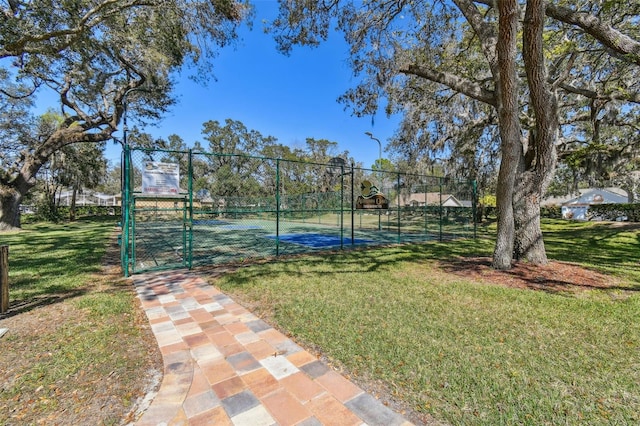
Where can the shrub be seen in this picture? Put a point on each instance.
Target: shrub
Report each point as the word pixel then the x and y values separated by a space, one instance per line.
pixel 615 212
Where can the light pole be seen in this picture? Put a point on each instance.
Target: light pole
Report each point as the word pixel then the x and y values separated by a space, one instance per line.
pixel 379 148
pixel 379 171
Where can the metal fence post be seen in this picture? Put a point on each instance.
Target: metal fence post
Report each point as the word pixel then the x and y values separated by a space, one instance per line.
pixel 352 203
pixel 4 279
pixel 425 207
pixel 188 250
pixel 399 213
pixel 440 206
pixel 277 207
pixel 342 207
pixel 126 210
pixel 474 206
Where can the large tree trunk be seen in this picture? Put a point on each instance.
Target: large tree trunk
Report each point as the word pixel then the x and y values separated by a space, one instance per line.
pixel 630 185
pixel 540 159
pixel 503 250
pixel 13 191
pixel 15 188
pixel 528 244
pixel 510 131
pixel 10 200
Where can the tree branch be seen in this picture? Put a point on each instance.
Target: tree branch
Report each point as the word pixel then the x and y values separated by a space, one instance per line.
pixel 466 87
pixel 486 33
pixel 592 94
pixel 62 39
pixel 605 34
pixel 625 46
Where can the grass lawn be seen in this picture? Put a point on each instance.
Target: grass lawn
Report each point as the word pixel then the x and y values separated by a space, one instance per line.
pixel 463 351
pixel 78 349
pixel 447 346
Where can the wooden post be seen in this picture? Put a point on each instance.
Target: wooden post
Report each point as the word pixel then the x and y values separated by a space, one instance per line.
pixel 4 279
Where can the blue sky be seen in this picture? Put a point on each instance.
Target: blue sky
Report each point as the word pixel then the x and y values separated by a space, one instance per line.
pixel 288 97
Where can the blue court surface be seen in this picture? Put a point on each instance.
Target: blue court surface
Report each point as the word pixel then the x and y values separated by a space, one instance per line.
pixel 317 240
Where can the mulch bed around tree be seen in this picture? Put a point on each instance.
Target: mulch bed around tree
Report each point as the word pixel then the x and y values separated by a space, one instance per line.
pixel 553 277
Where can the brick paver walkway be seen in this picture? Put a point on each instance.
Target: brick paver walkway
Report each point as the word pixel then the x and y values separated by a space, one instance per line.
pixel 225 366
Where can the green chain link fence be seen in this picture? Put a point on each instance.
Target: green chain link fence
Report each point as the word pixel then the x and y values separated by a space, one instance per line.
pixel 183 208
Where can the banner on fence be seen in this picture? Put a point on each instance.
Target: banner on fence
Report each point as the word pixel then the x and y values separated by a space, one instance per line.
pixel 160 178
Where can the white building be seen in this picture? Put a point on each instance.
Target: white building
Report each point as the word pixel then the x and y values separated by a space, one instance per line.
pixel 87 198
pixel 577 207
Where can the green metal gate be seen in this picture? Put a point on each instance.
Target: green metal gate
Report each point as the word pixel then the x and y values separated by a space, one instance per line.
pixel 157 230
pixel 162 232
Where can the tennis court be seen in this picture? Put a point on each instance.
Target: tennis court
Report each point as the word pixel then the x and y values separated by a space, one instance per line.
pixel 162 244
pixel 174 225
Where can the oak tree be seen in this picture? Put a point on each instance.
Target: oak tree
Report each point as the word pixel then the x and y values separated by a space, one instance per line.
pixel 522 60
pixel 96 57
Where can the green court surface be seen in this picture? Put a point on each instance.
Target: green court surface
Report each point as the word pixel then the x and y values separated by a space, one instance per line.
pixel 215 241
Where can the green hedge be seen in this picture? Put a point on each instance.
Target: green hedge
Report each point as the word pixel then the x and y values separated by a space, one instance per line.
pixel 91 210
pixel 62 213
pixel 602 212
pixel 615 211
pixel 551 212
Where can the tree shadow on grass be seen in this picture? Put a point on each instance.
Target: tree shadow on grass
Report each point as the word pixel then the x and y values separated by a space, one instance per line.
pixel 338 263
pixel 21 306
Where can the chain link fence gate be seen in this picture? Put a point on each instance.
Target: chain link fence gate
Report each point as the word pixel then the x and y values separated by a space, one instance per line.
pixel 184 208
